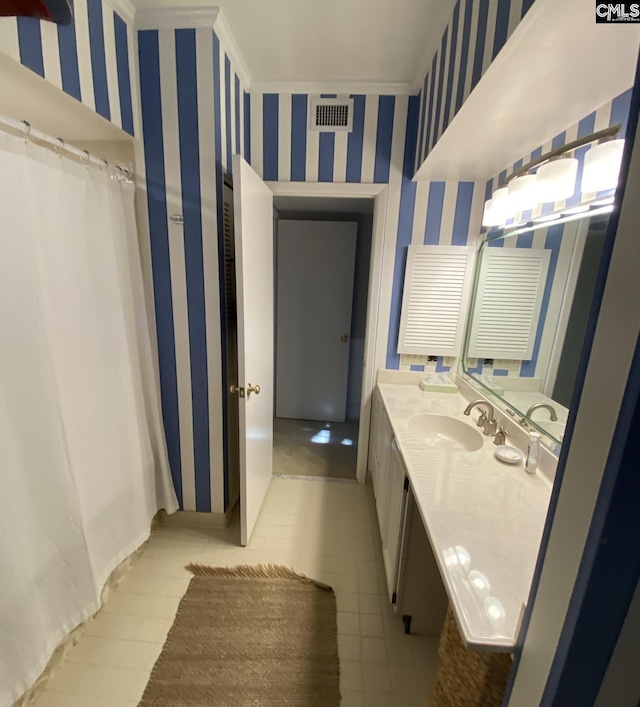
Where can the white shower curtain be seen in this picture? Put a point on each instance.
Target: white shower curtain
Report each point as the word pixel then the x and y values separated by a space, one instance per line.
pixel 83 463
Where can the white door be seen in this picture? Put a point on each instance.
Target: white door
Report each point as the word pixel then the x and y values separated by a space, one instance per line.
pixel 315 273
pixel 253 219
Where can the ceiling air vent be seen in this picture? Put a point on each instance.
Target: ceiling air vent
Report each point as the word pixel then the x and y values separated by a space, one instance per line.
pixel 331 115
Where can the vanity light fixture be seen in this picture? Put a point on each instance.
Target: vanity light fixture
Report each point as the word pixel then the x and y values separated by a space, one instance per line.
pixel 583 208
pixel 557 219
pixel 552 177
pixel 556 179
pixel 501 206
pixel 523 193
pixel 602 166
pixel 547 218
pixel 489 217
pixel 604 202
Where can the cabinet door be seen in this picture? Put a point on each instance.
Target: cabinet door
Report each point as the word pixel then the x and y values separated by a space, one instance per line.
pixel 379 445
pixel 394 516
pixel 381 490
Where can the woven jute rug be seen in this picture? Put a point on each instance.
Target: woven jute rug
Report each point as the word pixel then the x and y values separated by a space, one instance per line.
pixel 249 635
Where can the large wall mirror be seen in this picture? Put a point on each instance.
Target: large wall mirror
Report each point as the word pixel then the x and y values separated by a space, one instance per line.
pixel 529 309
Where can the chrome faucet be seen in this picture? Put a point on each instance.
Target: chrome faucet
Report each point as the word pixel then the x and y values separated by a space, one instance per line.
pixel 501 436
pixel 487 419
pixel 538 406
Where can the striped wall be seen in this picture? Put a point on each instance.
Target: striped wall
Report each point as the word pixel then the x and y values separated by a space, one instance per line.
pixel 611 113
pixel 435 213
pixel 380 149
pixel 476 32
pixel 195 116
pixel 92 60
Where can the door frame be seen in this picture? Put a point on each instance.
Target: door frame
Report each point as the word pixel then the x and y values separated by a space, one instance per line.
pixel 379 294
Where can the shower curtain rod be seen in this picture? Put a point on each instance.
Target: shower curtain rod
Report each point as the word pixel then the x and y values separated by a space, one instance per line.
pixel 25 129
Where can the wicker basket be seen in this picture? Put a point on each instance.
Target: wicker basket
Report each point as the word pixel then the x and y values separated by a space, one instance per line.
pixel 467 678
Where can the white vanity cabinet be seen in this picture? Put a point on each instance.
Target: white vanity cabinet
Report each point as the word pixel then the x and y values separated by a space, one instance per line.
pixel 395 498
pixel 379 444
pixel 390 486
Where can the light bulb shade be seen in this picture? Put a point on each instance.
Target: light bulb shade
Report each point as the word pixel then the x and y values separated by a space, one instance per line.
pixel 602 166
pixel 488 216
pixel 523 193
pixel 501 208
pixel 556 180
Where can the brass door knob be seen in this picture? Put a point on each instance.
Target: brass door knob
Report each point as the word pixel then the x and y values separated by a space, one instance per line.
pixel 236 389
pixel 344 338
pixel 253 389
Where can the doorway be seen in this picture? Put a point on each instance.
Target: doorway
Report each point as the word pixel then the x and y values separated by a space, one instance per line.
pixel 322 258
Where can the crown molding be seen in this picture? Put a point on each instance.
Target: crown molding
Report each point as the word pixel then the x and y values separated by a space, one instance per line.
pixel 340 88
pixel 124 8
pixel 230 45
pixel 176 18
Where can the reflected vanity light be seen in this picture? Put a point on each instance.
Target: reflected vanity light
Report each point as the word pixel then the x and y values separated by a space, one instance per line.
pixel 583 208
pixel 495 613
pixel 552 178
pixel 548 218
pixel 604 202
pixel 457 556
pixel 565 217
pixel 463 556
pixel 323 437
pixel 479 583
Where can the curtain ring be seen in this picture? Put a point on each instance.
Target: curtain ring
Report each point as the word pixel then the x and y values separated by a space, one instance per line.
pixel 27 130
pixel 85 161
pixel 60 147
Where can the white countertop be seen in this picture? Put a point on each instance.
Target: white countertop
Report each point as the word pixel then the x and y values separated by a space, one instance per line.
pixel 484 518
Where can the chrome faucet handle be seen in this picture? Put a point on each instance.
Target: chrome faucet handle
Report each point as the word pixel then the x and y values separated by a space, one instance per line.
pixel 501 436
pixel 490 427
pixel 482 419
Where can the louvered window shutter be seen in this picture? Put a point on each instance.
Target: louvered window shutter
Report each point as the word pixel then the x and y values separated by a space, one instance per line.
pixel 509 298
pixel 436 288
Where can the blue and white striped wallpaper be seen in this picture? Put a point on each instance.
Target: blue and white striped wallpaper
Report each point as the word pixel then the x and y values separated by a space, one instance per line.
pixel 609 114
pixel 285 150
pixel 92 59
pixel 380 149
pixel 195 116
pixel 475 33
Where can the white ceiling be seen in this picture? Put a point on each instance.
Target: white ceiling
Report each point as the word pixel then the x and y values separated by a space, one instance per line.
pixel 332 41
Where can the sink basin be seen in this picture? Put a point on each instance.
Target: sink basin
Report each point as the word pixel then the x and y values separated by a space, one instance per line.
pixel 445 432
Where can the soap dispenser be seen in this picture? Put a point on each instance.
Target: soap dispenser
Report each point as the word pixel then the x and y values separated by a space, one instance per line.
pixel 533 450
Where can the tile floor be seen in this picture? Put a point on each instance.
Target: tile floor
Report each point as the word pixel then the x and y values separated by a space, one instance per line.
pixel 326 529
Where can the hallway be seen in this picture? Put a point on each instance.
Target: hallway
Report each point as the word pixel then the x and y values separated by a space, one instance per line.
pixel 312 448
